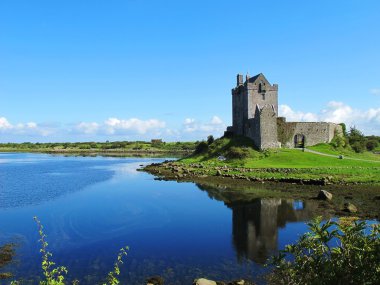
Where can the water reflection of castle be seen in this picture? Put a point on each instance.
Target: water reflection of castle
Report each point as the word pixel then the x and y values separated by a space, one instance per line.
pixel 255 225
pixel 255 222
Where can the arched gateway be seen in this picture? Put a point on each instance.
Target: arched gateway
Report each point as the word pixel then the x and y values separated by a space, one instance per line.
pixel 299 141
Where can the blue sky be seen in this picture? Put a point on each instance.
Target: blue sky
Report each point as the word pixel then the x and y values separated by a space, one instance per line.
pixel 139 69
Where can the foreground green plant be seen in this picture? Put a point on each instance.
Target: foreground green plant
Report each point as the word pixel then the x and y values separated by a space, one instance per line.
pixel 56 275
pixel 52 275
pixel 355 258
pixel 112 276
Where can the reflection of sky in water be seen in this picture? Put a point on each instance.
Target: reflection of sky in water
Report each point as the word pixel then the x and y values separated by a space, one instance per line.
pixel 298 205
pixel 91 207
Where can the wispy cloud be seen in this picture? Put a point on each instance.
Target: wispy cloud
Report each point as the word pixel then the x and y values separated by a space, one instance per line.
pixel 115 126
pixel 375 91
pixel 214 126
pixel 28 129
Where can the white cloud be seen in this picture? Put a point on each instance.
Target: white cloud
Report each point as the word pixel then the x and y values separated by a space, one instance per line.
pixel 367 121
pixel 375 91
pixel 286 111
pixel 30 128
pixel 87 128
pixel 4 124
pixel 134 125
pixel 216 120
pixel 215 126
pixel 115 126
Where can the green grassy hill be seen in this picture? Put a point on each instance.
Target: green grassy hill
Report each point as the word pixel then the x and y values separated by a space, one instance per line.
pixel 239 151
pixel 317 162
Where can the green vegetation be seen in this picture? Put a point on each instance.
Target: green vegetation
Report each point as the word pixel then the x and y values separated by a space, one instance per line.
pixel 52 275
pixel 240 151
pixel 56 275
pixel 156 146
pixel 359 143
pixel 313 259
pixel 238 157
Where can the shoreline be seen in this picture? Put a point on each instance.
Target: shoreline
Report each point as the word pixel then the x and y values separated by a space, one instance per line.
pixel 91 152
pixel 231 188
pixel 175 170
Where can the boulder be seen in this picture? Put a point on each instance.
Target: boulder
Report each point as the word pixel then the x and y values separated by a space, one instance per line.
pixel 349 207
pixel 324 195
pixel 203 281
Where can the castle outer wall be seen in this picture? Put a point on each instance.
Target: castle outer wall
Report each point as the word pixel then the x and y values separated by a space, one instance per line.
pixel 313 132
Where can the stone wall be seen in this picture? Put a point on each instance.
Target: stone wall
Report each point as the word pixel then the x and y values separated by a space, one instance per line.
pixel 253 130
pixel 268 127
pixel 261 98
pixel 314 132
pixel 239 101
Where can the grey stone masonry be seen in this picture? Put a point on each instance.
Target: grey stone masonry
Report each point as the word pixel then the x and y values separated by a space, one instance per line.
pixel 255 115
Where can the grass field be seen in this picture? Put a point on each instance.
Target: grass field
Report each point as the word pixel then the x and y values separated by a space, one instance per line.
pixel 288 163
pixel 282 158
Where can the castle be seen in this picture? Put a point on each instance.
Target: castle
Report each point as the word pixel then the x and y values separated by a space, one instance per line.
pixel 255 115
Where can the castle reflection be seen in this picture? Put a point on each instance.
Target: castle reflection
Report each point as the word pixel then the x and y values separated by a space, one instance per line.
pixel 256 221
pixel 255 225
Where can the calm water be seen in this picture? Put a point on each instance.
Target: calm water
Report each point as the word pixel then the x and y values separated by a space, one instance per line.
pixel 92 206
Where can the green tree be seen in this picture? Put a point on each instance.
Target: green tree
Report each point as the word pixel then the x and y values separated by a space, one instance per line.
pixel 210 139
pixel 344 129
pixel 357 140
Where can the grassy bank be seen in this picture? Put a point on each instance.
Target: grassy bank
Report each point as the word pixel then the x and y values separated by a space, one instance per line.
pixel 237 158
pixel 232 170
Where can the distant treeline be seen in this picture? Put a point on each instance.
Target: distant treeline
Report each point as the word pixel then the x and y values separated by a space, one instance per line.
pixel 155 145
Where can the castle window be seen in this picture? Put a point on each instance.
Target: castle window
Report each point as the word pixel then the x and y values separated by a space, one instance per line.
pixel 261 87
pixel 263 96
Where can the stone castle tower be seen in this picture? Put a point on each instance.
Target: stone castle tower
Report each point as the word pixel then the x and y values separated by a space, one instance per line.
pixel 255 115
pixel 255 109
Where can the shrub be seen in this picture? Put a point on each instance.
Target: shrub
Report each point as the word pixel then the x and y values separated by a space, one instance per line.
pixel 371 145
pixel 201 147
pixel 358 147
pixel 344 129
pixel 354 260
pixel 338 141
pixel 237 153
pixel 210 139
